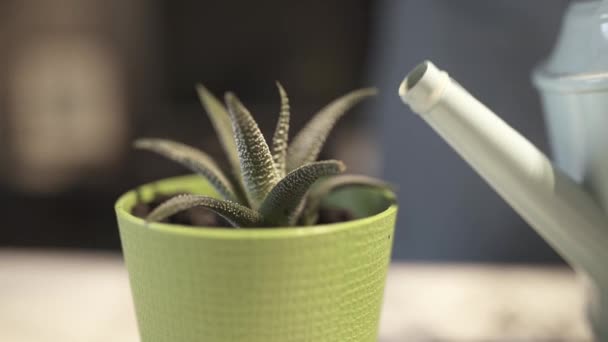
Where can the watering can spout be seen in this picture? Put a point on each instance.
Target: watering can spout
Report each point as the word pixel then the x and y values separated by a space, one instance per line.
pixel 553 204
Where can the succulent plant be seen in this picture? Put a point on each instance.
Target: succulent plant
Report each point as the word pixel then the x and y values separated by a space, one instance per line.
pixel 269 186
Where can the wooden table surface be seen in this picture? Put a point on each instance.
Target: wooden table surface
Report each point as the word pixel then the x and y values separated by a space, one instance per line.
pixel 84 296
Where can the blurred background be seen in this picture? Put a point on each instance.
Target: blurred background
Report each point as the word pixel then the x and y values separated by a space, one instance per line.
pixel 80 79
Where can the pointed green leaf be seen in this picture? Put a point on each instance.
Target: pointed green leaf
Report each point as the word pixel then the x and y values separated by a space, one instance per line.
pixel 308 142
pixel 193 159
pixel 324 187
pixel 281 134
pixel 238 215
pixel 259 173
pixel 282 204
pixel 223 127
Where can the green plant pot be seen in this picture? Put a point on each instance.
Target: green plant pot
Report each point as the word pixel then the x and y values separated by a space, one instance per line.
pixel 322 283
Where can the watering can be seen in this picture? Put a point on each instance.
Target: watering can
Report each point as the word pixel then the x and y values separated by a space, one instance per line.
pixel 565 202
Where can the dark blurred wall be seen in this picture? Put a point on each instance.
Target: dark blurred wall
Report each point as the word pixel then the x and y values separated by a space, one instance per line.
pixel 315 47
pixel 318 50
pixel 72 73
pixel 130 71
pixel 79 79
pixel 447 212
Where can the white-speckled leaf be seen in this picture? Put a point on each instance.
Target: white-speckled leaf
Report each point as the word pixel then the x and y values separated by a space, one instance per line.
pixel 257 165
pixel 195 160
pixel 281 134
pixel 282 204
pixel 238 215
pixel 220 119
pixel 307 144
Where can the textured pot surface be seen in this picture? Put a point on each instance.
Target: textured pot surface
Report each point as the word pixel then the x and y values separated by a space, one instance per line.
pixel 322 283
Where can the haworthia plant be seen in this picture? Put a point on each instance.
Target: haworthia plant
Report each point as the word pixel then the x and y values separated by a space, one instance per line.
pixel 270 186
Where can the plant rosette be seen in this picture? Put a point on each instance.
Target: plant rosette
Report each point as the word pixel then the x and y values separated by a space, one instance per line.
pixel 276 273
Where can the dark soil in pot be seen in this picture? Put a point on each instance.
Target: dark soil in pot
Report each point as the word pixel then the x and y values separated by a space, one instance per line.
pixel 201 217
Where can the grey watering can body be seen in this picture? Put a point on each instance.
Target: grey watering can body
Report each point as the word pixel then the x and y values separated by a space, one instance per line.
pixel 573 84
pixel 566 203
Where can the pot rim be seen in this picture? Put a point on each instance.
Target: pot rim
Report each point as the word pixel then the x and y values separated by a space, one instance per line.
pixel 127 199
